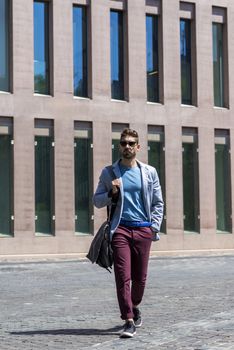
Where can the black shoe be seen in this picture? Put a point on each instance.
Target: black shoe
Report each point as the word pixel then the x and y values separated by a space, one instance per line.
pixel 137 317
pixel 129 330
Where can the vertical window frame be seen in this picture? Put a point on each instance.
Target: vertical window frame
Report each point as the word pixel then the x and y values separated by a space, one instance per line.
pixel 156 134
pixel 219 17
pixel 45 128
pixel 6 128
pixel 8 48
pixel 87 26
pixel 188 14
pixel 154 7
pixel 190 136
pixel 222 138
pixel 123 94
pixel 156 62
pixel 81 129
pixel 49 45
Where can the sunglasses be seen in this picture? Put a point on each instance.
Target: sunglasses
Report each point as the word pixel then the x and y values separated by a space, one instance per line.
pixel 125 143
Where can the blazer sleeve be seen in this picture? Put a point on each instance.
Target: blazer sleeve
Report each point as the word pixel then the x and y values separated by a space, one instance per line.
pixel 101 198
pixel 157 204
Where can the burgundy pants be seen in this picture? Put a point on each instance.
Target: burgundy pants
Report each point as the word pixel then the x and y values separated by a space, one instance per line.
pixel 131 248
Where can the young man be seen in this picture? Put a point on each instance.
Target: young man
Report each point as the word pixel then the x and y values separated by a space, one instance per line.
pixel 135 223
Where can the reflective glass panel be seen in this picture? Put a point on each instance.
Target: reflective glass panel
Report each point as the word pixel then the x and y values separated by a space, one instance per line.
pixel 156 158
pixel 218 68
pixel 83 183
pixel 185 60
pixel 152 58
pixel 44 184
pixel 223 188
pixel 117 59
pixel 6 184
pixel 41 47
pixel 4 46
pixel 190 187
pixel 80 51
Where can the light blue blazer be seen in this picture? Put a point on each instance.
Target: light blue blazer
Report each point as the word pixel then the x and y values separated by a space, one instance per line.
pixel 151 191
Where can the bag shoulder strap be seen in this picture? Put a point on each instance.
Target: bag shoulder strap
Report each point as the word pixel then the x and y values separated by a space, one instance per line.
pixel 111 209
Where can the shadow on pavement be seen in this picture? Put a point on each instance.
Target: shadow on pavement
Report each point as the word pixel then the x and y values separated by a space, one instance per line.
pixel 85 331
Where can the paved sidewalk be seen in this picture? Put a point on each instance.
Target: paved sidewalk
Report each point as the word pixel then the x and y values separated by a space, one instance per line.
pixel 68 305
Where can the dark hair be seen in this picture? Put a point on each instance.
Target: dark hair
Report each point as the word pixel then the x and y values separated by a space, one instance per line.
pixel 130 132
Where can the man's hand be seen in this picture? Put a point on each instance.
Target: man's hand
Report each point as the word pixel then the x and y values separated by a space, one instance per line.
pixel 115 186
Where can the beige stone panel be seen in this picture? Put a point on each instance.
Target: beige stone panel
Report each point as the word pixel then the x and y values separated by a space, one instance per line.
pixel 174 185
pixel 6 104
pixel 41 106
pixel 64 174
pixel 172 241
pixel 208 238
pixel 221 118
pixel 224 241
pixel 23 175
pixel 207 179
pixel 188 116
pixel 171 51
pixel 100 36
pixel 102 157
pixel 63 46
pixel 23 79
pixel 192 241
pixel 204 53
pixel 136 32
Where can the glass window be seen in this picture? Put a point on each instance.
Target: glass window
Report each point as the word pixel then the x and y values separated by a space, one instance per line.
pixel 116 133
pixel 156 158
pixel 80 55
pixel 218 68
pixel 41 48
pixel 4 46
pixel 223 181
pixel 117 55
pixel 44 179
pixel 152 60
pixel 6 178
pixel 83 153
pixel 186 61
pixel 190 180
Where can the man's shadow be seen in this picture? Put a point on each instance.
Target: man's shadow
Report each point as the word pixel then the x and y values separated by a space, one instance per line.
pixel 85 331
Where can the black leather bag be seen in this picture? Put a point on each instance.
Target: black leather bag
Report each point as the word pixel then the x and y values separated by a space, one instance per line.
pixel 100 251
pixel 105 256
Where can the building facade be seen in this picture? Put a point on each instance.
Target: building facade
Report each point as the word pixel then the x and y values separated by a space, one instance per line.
pixel 73 74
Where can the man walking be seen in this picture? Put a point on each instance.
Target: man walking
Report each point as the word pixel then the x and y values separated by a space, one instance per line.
pixel 136 222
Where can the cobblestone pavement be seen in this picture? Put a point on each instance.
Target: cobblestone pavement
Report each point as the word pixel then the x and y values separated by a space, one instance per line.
pixel 188 304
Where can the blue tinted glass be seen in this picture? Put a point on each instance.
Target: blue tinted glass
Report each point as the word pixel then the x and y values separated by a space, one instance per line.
pixel 41 47
pixel 80 51
pixel 218 68
pixel 152 58
pixel 117 65
pixel 185 56
pixel 4 45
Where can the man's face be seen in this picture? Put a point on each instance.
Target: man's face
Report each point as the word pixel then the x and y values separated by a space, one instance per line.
pixel 128 147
